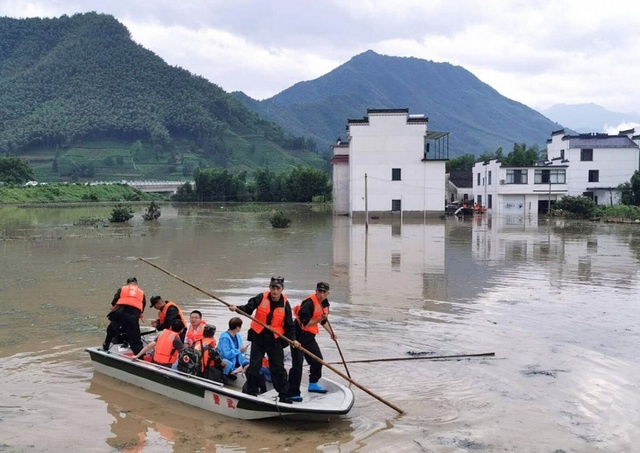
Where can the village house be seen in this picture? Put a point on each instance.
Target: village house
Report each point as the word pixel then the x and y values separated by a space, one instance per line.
pixel 591 165
pixel 390 165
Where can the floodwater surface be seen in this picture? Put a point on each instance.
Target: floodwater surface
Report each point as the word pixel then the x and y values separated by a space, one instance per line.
pixel 556 301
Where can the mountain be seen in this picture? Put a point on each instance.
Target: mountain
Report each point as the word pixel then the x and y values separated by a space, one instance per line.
pixel 477 116
pixel 73 88
pixel 589 117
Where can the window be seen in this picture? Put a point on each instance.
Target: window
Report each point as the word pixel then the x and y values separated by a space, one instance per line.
pixel 489 201
pixel 586 155
pixel 478 183
pixel 550 176
pixel 396 174
pixel 396 205
pixel 517 177
pixel 562 154
pixel 594 175
pixel 489 178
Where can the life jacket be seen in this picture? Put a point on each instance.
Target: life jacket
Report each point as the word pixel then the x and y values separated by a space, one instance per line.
pixel 211 363
pixel 318 311
pixel 194 335
pixel 131 295
pixel 263 310
pixel 163 312
pixel 165 353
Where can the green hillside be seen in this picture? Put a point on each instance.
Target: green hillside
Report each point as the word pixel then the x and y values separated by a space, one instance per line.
pixel 478 118
pixel 79 98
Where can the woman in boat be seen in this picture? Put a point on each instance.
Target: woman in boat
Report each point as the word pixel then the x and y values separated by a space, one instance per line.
pixel 231 349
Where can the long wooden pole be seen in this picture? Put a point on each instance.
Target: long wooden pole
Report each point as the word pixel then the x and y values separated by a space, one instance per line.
pixel 310 354
pixel 338 346
pixel 433 357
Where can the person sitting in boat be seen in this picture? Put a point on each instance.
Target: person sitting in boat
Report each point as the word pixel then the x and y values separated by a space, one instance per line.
pixel 312 312
pixel 127 307
pixel 212 365
pixel 166 347
pixel 195 329
pixel 231 349
pixel 272 309
pixel 169 311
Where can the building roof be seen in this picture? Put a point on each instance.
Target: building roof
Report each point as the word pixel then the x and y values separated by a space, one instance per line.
pixel 599 141
pixel 461 178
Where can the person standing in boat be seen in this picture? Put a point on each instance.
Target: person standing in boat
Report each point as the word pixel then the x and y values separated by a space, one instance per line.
pixel 312 312
pixel 195 329
pixel 166 347
pixel 127 307
pixel 273 309
pixel 169 311
pixel 231 349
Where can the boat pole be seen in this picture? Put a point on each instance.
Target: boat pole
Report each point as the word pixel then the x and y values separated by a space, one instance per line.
pixel 433 357
pixel 310 354
pixel 338 346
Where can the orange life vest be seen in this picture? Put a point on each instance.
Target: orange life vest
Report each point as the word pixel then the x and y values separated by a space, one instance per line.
pixel 199 345
pixel 318 311
pixel 194 335
pixel 165 353
pixel 263 310
pixel 163 312
pixel 131 295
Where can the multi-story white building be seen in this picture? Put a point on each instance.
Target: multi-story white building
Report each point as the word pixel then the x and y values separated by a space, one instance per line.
pixel 390 164
pixel 591 165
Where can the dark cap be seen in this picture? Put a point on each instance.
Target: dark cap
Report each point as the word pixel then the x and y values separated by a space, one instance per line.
pixel 277 281
pixel 132 280
pixel 155 300
pixel 209 331
pixel 322 286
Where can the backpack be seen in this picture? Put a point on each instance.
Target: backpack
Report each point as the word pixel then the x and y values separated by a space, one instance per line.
pixel 189 360
pixel 212 368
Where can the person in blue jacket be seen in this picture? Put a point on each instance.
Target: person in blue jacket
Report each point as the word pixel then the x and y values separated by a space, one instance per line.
pixel 231 349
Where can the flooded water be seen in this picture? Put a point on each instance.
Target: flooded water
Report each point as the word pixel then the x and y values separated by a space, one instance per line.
pixel 556 301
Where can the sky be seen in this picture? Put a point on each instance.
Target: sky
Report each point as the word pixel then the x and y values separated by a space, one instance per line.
pixel 537 52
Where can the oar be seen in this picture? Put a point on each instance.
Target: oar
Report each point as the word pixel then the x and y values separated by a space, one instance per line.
pixel 310 354
pixel 434 357
pixel 339 350
pixel 147 332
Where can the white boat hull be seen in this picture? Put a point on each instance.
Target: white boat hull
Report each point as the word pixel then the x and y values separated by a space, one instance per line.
pixel 215 397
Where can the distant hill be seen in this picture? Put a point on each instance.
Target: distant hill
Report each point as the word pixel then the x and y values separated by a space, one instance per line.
pixel 588 117
pixel 477 116
pixel 77 91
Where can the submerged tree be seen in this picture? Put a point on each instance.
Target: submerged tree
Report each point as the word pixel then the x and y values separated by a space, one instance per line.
pixel 152 212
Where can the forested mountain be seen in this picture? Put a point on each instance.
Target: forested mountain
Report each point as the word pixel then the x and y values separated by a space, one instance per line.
pixel 478 117
pixel 80 80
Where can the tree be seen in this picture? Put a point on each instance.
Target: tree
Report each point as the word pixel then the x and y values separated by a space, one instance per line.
pixel 465 162
pixel 630 191
pixel 14 170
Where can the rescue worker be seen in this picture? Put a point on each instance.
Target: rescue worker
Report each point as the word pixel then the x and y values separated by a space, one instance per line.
pixel 313 311
pixel 167 346
pixel 272 308
pixel 127 307
pixel 168 311
pixel 195 329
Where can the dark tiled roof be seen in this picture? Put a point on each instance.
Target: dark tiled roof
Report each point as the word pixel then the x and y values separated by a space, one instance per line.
pixel 597 141
pixel 461 178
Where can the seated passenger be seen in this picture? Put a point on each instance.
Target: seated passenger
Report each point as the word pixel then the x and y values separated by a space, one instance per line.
pixel 211 364
pixel 196 326
pixel 167 346
pixel 231 349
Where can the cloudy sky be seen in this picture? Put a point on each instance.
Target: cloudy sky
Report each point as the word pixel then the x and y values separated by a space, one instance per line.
pixel 538 52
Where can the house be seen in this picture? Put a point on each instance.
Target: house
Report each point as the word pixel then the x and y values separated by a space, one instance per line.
pixel 389 165
pixel 459 185
pixel 591 165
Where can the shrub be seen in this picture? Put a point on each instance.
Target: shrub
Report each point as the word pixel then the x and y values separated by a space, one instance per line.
pixel 152 212
pixel 121 213
pixel 581 207
pixel 280 220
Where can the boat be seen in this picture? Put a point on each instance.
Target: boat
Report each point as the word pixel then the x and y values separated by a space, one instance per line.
pixel 225 399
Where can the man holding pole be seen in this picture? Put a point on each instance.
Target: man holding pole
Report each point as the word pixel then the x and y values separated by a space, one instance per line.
pixel 272 309
pixel 313 311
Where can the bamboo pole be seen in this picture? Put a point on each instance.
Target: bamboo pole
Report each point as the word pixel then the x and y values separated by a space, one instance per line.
pixel 310 354
pixel 435 357
pixel 339 350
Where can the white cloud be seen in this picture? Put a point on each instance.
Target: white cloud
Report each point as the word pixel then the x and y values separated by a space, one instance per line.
pixel 538 52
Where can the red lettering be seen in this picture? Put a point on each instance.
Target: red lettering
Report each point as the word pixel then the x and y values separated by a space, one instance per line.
pixel 230 403
pixel 216 399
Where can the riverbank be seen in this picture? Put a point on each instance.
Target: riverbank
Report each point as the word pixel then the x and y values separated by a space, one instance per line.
pixel 73 193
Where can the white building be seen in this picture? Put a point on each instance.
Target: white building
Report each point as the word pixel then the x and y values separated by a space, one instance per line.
pixel 390 164
pixel 591 165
